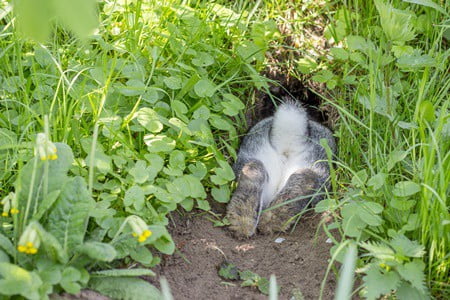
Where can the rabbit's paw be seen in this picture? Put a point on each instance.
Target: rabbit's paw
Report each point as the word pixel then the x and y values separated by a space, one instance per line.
pixel 242 219
pixel 277 220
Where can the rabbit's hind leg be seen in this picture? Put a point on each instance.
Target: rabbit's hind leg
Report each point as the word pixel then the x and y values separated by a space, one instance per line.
pixel 301 185
pixel 242 211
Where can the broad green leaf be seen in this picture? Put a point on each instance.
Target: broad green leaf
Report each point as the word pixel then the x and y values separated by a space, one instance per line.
pixel 224 174
pixel 180 110
pixel 98 251
pixel 415 61
pixel 395 157
pixel 57 177
pixel 323 76
pixel 203 205
pixel 406 188
pixel 220 123
pixel 352 223
pixel 339 53
pixel 396 23
pixel 406 247
pixel 204 88
pixel 377 181
pixel 51 245
pixel 221 194
pixel 133 87
pixel 4 258
pixel 46 203
pixel 70 213
pixel 159 143
pixel 140 172
pixel 406 292
pixel 233 106
pixel 355 42
pixel 368 216
pixel 161 239
pixel 203 59
pixel 134 196
pixel 196 188
pixel 142 255
pixel 377 283
pixel 173 82
pixel 149 119
pixel 202 112
pixel 125 288
pixel 199 170
pixel 187 204
pixel 414 273
pixel 123 273
pixel 176 160
pixel 325 205
pixel 15 280
pixel 402 204
pixel 101 161
pixel 156 164
pixel 6 245
pixel 69 280
pixel 360 178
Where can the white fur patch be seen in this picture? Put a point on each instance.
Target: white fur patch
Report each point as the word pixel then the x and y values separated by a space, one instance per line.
pixel 287 151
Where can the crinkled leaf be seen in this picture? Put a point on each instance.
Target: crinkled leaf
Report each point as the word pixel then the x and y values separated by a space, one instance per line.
pixel 15 280
pixel 67 219
pixel 405 246
pixel 377 283
pixel 407 292
pixel 123 273
pixel 228 271
pixel 98 251
pixel 378 250
pixel 69 281
pixel 125 288
pixel 57 177
pixel 414 273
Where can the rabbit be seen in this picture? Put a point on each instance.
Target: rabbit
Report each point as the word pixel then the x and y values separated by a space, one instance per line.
pixel 280 159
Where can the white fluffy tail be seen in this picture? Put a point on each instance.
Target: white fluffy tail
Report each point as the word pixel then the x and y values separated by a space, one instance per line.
pixel 290 125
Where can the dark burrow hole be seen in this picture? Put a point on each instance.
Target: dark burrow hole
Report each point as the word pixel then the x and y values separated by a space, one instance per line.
pixel 280 87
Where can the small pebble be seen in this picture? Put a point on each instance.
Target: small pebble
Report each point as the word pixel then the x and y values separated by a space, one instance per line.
pixel 279 240
pixel 328 241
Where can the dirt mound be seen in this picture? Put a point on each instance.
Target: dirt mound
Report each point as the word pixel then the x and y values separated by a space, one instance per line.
pixel 299 262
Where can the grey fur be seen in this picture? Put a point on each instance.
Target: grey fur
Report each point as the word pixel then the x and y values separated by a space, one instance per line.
pixel 245 210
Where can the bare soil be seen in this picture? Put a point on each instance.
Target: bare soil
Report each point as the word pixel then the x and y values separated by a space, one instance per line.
pixel 299 262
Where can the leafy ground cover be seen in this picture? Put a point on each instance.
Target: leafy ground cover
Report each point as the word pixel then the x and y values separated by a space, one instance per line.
pixel 101 139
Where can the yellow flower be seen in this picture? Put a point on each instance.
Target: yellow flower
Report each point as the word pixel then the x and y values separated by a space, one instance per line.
pixel 29 241
pixel 45 148
pixel 139 227
pixel 9 205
